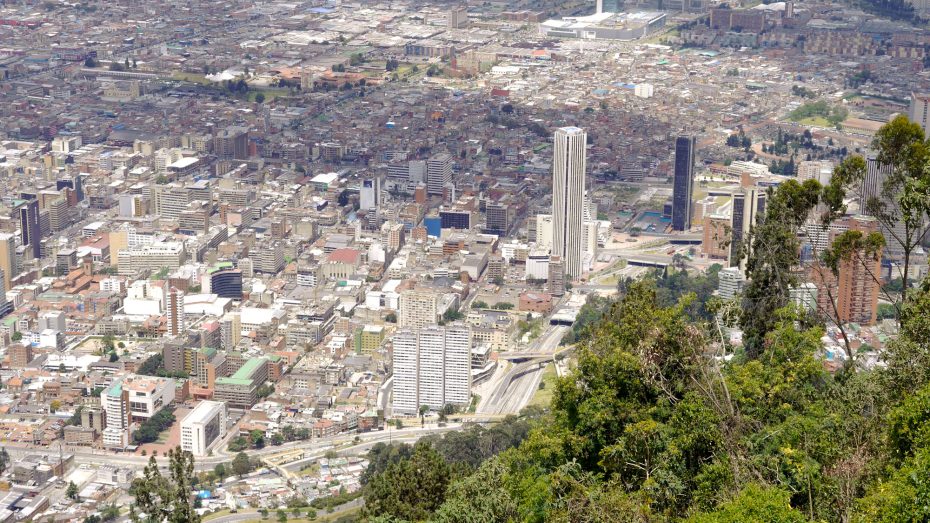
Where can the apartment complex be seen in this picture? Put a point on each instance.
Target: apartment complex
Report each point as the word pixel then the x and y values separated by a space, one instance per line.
pixel 432 366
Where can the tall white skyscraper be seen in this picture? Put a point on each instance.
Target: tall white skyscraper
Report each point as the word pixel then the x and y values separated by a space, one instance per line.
pixel 568 175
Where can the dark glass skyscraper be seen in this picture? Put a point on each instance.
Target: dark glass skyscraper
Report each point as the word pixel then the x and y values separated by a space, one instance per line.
pixel 29 225
pixel 684 179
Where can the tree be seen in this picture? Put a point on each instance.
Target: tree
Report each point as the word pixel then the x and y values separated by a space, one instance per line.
pixel 282 516
pixel 771 251
pixel 754 503
pixel 409 489
pixel 72 491
pixel 390 317
pixel 260 98
pixel 4 459
pixel 424 410
pixel 257 438
pixel 54 406
pixel 17 336
pixel 481 496
pixel 264 512
pixel 241 464
pixel 220 471
pixel 158 498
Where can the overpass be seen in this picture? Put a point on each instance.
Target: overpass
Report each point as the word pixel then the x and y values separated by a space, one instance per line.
pixel 538 357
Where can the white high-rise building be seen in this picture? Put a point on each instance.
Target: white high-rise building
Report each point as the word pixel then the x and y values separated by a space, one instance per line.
pixel 544 231
pixel 458 364
pixel 431 369
pixel 175 312
pixel 568 180
pixel 919 111
pixel 203 426
pixel 370 194
pixel 438 172
pixel 406 358
pixel 432 366
pixel 731 281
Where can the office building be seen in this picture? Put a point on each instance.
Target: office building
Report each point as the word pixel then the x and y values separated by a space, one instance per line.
pixel 438 173
pixel 683 183
pixel 175 312
pixel 455 219
pixel 497 218
pixel 748 205
pixel 76 184
pixel 919 110
pixel 820 170
pixel 203 426
pixel 154 257
pixel 239 390
pixel 269 259
pixel 65 260
pixel 458 17
pixel 169 201
pixel 230 330
pixel 370 194
pixel 608 6
pixel 417 309
pixel 543 231
pixel 29 227
pixel 875 197
pixel 432 366
pixel 232 143
pixel 556 278
pixel 716 236
pixel 132 400
pixel 225 281
pixel 568 183
pixel 8 259
pixel 115 403
pixel 20 355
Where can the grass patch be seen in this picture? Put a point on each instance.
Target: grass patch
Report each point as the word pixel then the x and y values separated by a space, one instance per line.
pixel 191 77
pixel 819 111
pixel 270 94
pixel 311 470
pixel 218 514
pixel 816 121
pixel 543 396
